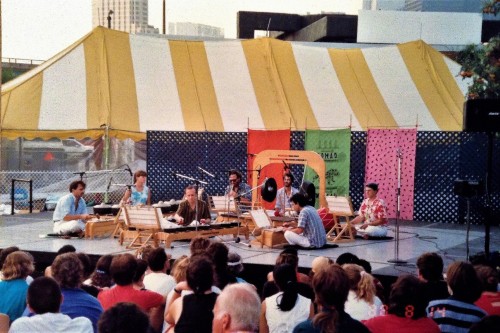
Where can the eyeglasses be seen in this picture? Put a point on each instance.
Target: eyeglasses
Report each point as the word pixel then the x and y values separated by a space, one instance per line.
pixel 233 180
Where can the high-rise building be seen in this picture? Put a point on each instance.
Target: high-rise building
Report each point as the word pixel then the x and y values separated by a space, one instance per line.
pixel 127 15
pixel 463 6
pixel 383 4
pixel 194 30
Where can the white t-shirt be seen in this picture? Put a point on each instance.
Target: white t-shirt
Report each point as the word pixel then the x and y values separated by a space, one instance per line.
pixel 284 321
pixel 359 309
pixel 159 282
pixel 51 322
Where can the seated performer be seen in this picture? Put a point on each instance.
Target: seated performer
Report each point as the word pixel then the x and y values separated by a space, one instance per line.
pixel 71 214
pixel 309 231
pixel 138 194
pixel 372 213
pixel 236 189
pixel 284 194
pixel 186 213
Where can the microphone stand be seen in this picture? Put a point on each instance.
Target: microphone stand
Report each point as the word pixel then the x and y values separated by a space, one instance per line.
pixel 396 260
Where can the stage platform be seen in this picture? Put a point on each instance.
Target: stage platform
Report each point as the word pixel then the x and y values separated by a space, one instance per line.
pixel 449 240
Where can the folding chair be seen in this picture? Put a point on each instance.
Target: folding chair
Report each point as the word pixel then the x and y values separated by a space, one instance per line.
pixel 340 207
pixel 142 224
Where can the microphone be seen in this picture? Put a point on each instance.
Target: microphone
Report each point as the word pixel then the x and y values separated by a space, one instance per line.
pixel 208 173
pixel 286 167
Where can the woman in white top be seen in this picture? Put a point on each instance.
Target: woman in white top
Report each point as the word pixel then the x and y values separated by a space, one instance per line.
pixel 281 312
pixel 362 302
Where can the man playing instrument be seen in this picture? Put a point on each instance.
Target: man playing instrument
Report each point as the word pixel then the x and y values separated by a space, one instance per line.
pixel 71 214
pixel 236 189
pixel 186 213
pixel 284 194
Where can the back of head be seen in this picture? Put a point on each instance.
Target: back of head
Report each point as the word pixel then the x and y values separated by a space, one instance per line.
pixel 234 264
pixel 347 258
pixel 123 318
pixel 299 199
pixel 66 249
pixel 488 277
pixel 218 252
pixel 199 274
pixel 241 302
pixel 179 268
pixel 286 280
pixel 123 268
pixel 17 265
pixel 156 259
pixel 430 266
pixel 463 281
pixel 87 264
pixel 102 277
pixel 142 266
pixel 67 270
pixel 331 287
pixel 44 295
pixel 319 263
pixel 5 252
pixel 199 245
pixel 360 282
pixel 407 298
pixel 288 258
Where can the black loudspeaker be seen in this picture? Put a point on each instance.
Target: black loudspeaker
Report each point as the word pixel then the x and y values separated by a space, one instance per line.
pixel 468 188
pixel 482 115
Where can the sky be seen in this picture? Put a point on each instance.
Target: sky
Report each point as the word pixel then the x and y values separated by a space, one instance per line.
pixel 39 29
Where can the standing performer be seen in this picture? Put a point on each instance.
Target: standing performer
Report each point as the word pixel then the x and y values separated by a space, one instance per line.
pixel 373 214
pixel 284 194
pixel 236 189
pixel 309 231
pixel 186 213
pixel 139 194
pixel 70 214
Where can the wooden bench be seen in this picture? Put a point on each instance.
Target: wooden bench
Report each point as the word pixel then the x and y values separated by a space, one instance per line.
pixel 341 208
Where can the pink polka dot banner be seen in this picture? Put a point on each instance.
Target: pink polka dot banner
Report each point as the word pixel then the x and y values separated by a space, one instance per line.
pixel 382 151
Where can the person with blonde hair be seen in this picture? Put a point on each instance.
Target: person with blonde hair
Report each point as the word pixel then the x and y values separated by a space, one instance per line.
pixel 362 302
pixel 14 288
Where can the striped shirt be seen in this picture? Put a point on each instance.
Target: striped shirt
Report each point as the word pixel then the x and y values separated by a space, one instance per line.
pixel 314 230
pixel 454 316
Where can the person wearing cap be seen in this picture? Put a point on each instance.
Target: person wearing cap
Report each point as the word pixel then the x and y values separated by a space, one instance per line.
pixel 372 214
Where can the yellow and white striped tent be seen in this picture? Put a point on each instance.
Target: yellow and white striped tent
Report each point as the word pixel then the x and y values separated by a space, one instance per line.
pixel 131 84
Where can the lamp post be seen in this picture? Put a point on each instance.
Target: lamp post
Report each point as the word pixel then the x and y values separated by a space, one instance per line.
pixel 109 18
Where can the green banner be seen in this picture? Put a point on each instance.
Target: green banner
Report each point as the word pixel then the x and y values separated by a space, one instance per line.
pixel 335 148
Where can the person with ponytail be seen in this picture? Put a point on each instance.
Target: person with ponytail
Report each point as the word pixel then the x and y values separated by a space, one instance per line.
pixel 362 302
pixel 193 312
pixel 331 287
pixel 281 312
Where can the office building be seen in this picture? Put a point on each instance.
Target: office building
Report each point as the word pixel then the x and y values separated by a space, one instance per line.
pixel 126 15
pixel 462 6
pixel 194 30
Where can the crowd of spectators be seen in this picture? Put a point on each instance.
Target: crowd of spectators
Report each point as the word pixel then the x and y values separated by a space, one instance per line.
pixel 204 292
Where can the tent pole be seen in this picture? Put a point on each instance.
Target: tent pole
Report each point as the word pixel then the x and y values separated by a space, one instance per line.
pixel 106 157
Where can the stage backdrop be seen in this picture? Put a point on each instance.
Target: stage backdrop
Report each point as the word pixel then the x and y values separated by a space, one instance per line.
pixel 383 147
pixel 334 146
pixel 259 140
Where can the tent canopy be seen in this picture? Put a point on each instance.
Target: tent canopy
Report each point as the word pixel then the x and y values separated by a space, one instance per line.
pixel 130 84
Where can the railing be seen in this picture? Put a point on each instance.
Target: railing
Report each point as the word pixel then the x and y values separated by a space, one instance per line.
pixel 22 61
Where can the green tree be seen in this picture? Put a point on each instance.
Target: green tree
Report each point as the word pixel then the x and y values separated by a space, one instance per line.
pixel 7 74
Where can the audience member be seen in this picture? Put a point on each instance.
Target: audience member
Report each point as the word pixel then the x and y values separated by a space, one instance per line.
pixel 101 277
pixel 457 313
pixel 199 245
pixel 218 252
pixel 406 311
pixel 362 303
pixel 124 318
pixel 44 299
pixel 158 280
pixel 193 312
pixel 235 267
pixel 378 285
pixel 123 267
pixel 331 287
pixel 430 271
pixel 67 270
pixel 319 263
pixel 490 298
pixel 140 273
pixel 13 288
pixel 488 324
pixel 347 258
pixel 87 270
pixel 236 310
pixel 284 310
pixel 64 249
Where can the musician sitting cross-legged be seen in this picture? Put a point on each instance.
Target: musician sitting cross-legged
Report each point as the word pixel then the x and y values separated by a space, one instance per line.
pixel 309 231
pixel 186 213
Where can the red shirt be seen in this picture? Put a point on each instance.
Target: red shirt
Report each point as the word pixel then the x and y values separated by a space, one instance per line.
pixel 372 211
pixel 145 299
pixel 393 323
pixel 489 302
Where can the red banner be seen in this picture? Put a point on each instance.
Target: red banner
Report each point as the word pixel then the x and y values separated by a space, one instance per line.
pixel 259 140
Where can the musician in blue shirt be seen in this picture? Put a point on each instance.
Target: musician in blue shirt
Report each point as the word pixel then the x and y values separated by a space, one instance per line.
pixel 71 214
